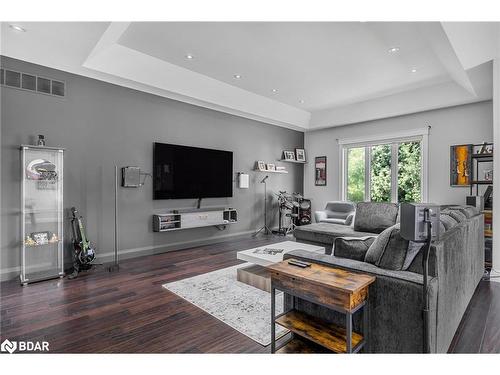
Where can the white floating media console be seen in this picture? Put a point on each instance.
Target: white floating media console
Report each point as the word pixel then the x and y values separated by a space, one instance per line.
pixel 194 219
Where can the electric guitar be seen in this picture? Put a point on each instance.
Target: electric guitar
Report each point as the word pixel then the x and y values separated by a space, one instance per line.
pixel 84 250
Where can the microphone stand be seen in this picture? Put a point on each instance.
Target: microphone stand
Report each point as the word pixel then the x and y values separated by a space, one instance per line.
pixel 265 228
pixel 425 292
pixel 115 266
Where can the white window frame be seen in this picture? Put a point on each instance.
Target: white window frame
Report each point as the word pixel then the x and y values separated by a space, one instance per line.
pixel 421 134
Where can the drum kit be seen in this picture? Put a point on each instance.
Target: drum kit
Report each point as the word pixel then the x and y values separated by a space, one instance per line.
pixel 289 211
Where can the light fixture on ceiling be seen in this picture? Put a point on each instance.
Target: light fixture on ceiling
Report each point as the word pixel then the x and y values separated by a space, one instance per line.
pixel 301 101
pixel 237 76
pixel 189 56
pixel 275 91
pixel 17 28
pixel 393 49
pixel 414 70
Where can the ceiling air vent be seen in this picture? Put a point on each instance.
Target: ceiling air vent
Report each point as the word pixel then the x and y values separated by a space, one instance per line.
pixel 31 82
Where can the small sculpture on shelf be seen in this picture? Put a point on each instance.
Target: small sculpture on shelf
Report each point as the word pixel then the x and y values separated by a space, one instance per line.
pixel 29 241
pixel 54 238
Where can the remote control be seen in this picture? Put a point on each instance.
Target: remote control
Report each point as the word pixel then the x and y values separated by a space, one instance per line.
pixel 298 263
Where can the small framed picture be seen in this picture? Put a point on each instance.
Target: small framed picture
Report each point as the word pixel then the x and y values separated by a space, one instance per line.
pixel 261 166
pixel 271 167
pixel 300 154
pixel 288 155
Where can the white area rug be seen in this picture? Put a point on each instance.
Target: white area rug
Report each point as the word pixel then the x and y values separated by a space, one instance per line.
pixel 243 307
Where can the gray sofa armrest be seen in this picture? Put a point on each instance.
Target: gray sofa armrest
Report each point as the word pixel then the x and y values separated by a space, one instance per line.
pixel 349 219
pixel 320 215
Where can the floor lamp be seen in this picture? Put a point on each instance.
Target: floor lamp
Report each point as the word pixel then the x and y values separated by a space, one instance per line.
pixel 265 228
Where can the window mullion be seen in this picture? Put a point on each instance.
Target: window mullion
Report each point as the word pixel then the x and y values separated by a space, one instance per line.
pixel 394 172
pixel 368 181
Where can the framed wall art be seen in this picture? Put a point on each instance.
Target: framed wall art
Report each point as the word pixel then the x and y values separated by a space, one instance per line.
pixel 320 171
pixel 460 164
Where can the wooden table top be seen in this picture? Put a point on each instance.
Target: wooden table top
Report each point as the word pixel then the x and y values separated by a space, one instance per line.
pixel 336 278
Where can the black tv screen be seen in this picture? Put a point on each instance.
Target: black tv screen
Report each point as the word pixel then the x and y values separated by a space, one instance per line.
pixel 181 172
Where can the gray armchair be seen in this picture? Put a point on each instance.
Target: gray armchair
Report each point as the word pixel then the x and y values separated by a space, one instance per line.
pixel 336 212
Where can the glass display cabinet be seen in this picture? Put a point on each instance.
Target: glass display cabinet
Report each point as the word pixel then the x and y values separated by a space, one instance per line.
pixel 41 213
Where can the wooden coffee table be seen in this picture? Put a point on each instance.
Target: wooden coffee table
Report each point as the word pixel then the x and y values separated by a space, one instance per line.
pixel 336 289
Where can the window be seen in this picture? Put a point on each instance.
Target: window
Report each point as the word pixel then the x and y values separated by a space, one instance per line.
pixel 385 170
pixel 356 174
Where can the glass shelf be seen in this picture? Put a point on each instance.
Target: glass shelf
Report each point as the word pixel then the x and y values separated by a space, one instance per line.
pixel 42 213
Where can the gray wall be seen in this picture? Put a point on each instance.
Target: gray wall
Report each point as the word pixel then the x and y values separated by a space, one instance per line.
pixel 101 125
pixel 472 123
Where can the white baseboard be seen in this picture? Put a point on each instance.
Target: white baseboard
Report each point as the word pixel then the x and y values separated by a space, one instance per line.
pixel 13 272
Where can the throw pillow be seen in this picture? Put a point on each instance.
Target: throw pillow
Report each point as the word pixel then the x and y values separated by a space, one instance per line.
pixel 352 247
pixel 388 250
pixel 412 252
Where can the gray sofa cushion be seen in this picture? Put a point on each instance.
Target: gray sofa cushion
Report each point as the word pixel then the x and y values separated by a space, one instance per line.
pixel 326 233
pixel 352 248
pixel 456 214
pixel 332 220
pixel 375 217
pixel 389 250
pixel 447 221
pixel 468 211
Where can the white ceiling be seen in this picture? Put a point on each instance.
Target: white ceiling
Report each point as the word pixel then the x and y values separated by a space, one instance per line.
pixel 336 68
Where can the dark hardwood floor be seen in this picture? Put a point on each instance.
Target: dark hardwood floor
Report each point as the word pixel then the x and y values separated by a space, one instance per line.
pixel 129 311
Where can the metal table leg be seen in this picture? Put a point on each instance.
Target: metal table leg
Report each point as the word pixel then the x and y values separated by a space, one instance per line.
pixel 273 319
pixel 366 322
pixel 348 331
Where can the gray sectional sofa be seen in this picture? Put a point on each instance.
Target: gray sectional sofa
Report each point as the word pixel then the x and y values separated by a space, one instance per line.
pixel 396 325
pixel 369 219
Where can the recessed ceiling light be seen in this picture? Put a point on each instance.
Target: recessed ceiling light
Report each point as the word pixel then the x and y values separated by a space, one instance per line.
pixel 274 90
pixel 301 101
pixel 414 70
pixel 237 76
pixel 393 49
pixel 17 28
pixel 189 56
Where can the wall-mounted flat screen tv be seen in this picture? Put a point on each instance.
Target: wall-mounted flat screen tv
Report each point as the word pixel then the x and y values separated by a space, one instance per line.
pixel 181 172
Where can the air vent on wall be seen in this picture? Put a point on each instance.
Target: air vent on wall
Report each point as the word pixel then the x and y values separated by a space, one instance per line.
pixel 28 82
pixel 31 82
pixel 12 79
pixel 58 88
